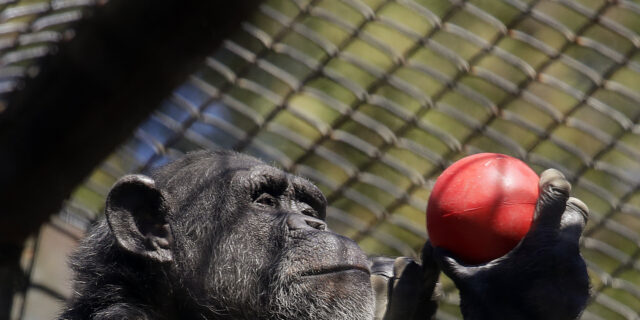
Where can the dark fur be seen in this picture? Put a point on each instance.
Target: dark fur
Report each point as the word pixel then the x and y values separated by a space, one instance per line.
pixel 232 258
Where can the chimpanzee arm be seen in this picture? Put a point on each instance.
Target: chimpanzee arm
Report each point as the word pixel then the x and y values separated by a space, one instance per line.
pixel 543 277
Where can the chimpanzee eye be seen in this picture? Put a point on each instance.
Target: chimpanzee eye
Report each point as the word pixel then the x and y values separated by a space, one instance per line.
pixel 267 200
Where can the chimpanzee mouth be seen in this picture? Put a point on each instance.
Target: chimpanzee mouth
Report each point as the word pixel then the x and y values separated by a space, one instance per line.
pixel 335 269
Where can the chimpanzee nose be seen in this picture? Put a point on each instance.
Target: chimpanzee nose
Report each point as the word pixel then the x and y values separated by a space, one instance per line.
pixel 297 221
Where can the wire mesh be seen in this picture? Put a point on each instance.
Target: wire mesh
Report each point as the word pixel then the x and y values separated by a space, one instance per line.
pixel 30 30
pixel 372 99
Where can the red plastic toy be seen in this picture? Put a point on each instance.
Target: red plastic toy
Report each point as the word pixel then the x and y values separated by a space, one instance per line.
pixel 482 206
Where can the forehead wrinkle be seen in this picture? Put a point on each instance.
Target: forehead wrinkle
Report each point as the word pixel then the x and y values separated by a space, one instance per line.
pixel 260 176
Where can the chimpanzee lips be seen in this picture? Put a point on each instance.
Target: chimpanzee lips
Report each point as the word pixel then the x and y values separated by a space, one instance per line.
pixel 335 269
pixel 326 253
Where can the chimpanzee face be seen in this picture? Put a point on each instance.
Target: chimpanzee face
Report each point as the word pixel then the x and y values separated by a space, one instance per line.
pixel 241 239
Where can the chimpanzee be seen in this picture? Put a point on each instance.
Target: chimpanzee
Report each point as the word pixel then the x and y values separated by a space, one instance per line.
pixel 222 235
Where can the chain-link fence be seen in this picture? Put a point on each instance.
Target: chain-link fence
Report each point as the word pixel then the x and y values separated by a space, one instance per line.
pixel 372 99
pixel 27 31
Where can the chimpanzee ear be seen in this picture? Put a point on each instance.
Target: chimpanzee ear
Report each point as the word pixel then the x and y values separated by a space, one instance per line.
pixel 137 214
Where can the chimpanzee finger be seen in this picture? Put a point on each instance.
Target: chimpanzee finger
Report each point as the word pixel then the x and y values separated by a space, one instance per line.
pixel 402 265
pixel 382 266
pixel 573 220
pixel 381 275
pixel 554 192
pixel 430 268
pixel 380 285
pixel 406 290
pixel 457 271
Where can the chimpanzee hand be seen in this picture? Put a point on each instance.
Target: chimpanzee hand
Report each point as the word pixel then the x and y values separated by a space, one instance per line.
pixel 543 277
pixel 403 288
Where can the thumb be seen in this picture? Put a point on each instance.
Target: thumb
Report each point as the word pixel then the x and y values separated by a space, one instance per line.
pixel 450 265
pixel 430 267
pixel 554 193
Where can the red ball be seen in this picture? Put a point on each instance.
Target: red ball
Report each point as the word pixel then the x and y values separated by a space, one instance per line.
pixel 482 206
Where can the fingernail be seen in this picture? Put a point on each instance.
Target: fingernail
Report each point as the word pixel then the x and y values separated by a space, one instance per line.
pixel 580 206
pixel 400 264
pixel 556 181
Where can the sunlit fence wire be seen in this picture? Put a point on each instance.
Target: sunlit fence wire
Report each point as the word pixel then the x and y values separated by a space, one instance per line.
pixel 28 29
pixel 372 99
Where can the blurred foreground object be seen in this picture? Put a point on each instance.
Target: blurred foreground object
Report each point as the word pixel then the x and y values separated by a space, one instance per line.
pixel 72 92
